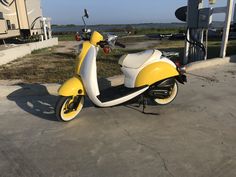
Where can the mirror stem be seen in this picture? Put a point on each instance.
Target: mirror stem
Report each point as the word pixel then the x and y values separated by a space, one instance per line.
pixel 85 26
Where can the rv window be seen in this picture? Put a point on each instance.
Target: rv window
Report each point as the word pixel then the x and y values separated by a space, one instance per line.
pixel 8 24
pixel 13 26
pixel 1 15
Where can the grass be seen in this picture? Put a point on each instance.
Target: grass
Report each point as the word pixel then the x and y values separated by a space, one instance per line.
pixel 65 37
pixel 70 36
pixel 40 67
pixel 52 66
pixel 147 31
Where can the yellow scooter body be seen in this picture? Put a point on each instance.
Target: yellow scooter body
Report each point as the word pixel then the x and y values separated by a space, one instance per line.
pixel 154 73
pixel 74 86
pixel 149 75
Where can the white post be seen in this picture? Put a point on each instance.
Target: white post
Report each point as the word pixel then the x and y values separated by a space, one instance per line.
pixel 45 28
pixel 226 28
pixel 234 14
pixel 49 28
pixel 41 37
pixel 186 49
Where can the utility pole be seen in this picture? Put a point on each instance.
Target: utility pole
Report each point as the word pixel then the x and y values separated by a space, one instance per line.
pixel 234 15
pixel 225 39
pixel 45 28
pixel 199 20
pixel 194 33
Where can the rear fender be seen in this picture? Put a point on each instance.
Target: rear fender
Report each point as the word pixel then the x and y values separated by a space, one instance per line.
pixel 72 87
pixel 155 72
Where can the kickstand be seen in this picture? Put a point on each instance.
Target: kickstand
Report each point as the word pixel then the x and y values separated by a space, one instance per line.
pixel 143 101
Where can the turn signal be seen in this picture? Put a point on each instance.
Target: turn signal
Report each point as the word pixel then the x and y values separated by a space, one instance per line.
pixel 177 63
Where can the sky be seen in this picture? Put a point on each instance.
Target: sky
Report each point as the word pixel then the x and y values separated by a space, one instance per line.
pixel 116 11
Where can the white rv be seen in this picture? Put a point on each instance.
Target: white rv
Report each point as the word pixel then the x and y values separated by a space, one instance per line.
pixel 20 18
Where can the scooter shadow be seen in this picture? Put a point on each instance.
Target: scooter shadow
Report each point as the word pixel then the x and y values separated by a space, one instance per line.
pixel 136 106
pixel 36 100
pixel 131 104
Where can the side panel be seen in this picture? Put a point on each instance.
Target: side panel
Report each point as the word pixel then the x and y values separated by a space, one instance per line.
pixel 130 76
pixel 71 87
pixel 88 72
pixel 155 72
pixel 79 59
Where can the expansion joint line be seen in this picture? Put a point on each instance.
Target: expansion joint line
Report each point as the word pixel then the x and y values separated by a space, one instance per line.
pixel 156 153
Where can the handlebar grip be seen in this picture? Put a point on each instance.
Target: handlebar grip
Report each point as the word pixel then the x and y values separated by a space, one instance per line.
pixel 102 43
pixel 120 45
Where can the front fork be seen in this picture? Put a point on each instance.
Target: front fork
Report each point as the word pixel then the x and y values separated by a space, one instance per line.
pixel 74 104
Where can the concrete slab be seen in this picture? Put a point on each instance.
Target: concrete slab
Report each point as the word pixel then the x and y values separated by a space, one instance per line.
pixel 193 136
pixel 210 63
pixel 19 51
pixel 8 87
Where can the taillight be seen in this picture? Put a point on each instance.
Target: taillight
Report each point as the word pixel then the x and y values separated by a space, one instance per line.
pixel 177 63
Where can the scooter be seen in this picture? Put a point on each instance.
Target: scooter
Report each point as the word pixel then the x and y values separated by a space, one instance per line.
pixel 148 75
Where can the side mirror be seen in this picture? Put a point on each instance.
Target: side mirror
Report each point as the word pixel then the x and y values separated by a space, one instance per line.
pixel 77 37
pixel 86 13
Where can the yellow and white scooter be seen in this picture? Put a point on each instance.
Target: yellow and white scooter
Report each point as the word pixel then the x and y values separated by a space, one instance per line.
pixel 147 74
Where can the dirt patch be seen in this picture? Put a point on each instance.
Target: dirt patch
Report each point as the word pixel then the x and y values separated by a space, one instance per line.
pixel 40 67
pixel 231 72
pixel 142 45
pixel 53 65
pixel 67 47
pixel 207 79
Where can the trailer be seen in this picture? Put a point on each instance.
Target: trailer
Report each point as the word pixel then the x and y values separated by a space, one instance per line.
pixel 21 18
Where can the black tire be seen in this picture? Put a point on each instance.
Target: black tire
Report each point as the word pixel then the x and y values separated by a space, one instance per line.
pixel 62 112
pixel 171 98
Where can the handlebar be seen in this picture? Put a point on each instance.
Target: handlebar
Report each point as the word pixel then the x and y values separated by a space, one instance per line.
pixel 104 43
pixel 86 30
pixel 120 45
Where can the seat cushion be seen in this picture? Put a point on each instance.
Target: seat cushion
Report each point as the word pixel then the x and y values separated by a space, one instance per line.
pixel 136 60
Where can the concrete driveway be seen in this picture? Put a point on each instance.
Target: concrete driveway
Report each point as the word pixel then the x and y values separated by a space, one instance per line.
pixel 195 136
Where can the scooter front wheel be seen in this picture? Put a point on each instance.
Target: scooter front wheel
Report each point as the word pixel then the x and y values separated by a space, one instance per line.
pixel 67 108
pixel 170 98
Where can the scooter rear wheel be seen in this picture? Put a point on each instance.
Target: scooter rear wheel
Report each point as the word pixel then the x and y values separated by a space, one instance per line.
pixel 64 110
pixel 168 100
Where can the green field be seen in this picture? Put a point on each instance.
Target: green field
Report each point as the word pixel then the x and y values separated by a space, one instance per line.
pixel 50 66
pixel 70 36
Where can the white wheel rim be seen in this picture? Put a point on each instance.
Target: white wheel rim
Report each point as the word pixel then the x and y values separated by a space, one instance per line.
pixel 67 117
pixel 169 99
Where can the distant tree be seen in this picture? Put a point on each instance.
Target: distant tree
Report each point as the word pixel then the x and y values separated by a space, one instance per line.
pixel 55 25
pixel 70 25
